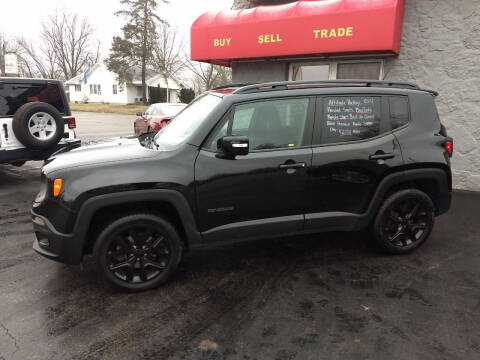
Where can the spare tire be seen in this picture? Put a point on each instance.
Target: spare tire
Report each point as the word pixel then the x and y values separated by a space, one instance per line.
pixel 38 125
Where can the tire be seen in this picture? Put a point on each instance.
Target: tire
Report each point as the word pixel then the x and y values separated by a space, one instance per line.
pixel 42 117
pixel 133 259
pixel 149 130
pixel 404 221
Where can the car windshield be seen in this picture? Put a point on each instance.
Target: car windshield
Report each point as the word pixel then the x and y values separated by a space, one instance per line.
pixel 186 122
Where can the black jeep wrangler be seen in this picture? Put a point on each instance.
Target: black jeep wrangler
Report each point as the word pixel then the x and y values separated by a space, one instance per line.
pixel 263 160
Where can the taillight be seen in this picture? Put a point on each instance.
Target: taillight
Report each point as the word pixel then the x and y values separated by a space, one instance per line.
pixel 72 124
pixel 449 147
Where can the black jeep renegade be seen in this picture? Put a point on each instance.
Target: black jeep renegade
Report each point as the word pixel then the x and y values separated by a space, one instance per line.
pixel 263 160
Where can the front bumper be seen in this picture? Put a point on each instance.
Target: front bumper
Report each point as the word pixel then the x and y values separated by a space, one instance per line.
pixel 54 245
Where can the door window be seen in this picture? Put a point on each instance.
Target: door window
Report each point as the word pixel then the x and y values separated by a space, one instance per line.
pixel 350 118
pixel 399 112
pixel 272 124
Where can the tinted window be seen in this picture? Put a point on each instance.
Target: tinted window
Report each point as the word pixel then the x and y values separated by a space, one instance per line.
pixel 350 118
pixel 399 113
pixel 268 124
pixel 12 96
pixel 369 70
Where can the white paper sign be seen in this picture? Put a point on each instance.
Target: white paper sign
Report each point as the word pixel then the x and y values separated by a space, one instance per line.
pixel 11 64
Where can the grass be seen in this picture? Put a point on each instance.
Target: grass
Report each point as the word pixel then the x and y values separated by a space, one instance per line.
pixel 130 109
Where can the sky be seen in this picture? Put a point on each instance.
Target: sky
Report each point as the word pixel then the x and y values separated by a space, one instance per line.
pixel 24 17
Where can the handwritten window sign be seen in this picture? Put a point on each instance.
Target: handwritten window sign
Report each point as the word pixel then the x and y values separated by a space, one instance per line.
pixel 350 118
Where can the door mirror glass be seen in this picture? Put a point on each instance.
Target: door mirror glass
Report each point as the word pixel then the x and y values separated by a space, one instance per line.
pixel 234 145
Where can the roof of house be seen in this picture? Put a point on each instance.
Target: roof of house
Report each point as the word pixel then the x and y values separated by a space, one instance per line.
pixel 153 78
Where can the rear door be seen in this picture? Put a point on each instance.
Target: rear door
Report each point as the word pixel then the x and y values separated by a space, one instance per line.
pixel 264 192
pixel 353 149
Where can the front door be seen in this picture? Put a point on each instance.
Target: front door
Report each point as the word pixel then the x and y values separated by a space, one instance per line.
pixel 264 192
pixel 353 149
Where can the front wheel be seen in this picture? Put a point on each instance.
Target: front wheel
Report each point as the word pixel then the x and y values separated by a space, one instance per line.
pixel 404 221
pixel 138 252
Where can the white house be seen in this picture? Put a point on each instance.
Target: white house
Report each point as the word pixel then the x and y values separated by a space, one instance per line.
pixel 98 84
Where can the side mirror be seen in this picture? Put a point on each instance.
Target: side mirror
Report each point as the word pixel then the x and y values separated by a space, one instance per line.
pixel 232 146
pixel 139 114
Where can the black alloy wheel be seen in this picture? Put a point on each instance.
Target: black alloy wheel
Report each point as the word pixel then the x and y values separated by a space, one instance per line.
pixel 138 252
pixel 405 221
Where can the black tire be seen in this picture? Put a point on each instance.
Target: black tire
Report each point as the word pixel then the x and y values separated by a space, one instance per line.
pixel 404 221
pixel 51 125
pixel 128 258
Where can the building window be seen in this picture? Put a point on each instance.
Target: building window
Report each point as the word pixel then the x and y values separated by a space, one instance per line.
pixel 308 72
pixel 333 70
pixel 115 89
pixel 78 88
pixel 95 89
pixel 360 70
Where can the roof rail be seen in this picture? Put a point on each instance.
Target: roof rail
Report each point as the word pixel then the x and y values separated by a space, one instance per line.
pixel 291 85
pixel 229 86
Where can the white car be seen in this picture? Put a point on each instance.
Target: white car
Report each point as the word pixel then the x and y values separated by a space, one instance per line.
pixel 35 120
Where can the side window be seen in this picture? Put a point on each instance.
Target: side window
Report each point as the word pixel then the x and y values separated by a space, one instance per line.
pixel 272 124
pixel 350 118
pixel 399 111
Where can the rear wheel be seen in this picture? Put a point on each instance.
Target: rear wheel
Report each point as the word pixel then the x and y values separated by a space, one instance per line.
pixel 404 222
pixel 138 252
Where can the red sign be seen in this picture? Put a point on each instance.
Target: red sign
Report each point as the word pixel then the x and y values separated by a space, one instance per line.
pixel 300 29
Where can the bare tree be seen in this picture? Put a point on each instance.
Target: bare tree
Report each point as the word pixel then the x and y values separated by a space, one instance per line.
pixel 209 76
pixel 37 61
pixel 167 53
pixel 68 39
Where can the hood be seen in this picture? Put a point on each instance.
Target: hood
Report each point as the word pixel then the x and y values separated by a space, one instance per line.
pixel 113 151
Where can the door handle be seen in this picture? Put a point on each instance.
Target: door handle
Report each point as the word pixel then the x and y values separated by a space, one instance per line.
pixel 381 156
pixel 292 166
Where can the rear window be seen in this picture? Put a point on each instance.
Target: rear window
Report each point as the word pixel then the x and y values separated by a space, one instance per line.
pixel 14 95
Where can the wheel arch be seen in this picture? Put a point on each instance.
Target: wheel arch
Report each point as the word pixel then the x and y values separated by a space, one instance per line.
pixel 97 211
pixel 435 182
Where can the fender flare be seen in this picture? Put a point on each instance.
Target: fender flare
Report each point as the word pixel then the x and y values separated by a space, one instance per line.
pixel 92 205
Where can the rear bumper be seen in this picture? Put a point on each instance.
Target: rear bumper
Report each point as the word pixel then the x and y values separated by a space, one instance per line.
pixel 24 154
pixel 54 245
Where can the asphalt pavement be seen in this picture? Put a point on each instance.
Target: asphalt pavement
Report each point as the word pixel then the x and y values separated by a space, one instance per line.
pixel 326 296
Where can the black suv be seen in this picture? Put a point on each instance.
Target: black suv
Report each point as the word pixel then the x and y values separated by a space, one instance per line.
pixel 263 160
pixel 35 120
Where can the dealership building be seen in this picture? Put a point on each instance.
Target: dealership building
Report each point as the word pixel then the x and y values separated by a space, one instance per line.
pixel 434 43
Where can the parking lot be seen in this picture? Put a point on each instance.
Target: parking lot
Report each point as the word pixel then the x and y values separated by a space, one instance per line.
pixel 326 296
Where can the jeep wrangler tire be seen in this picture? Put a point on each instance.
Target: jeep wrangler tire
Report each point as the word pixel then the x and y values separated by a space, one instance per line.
pixel 404 221
pixel 138 252
pixel 38 125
